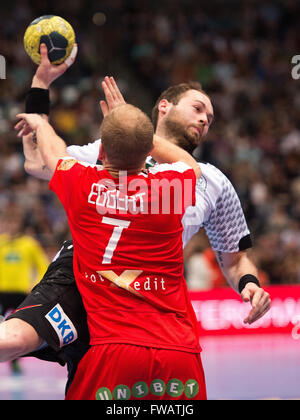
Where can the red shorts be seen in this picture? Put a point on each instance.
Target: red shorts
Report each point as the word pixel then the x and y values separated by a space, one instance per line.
pixel 128 372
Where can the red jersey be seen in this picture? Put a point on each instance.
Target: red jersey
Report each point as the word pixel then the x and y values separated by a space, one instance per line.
pixel 128 257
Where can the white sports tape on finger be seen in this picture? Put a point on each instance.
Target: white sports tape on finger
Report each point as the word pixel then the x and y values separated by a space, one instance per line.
pixel 70 60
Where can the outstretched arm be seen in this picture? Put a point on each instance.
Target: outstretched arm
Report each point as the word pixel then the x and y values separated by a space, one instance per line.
pixel 34 164
pixel 45 74
pixel 236 265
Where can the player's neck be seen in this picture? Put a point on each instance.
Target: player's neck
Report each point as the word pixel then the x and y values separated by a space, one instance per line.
pixel 161 132
pixel 115 173
pixel 181 142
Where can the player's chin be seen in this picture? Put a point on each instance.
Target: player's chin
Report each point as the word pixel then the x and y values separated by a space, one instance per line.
pixel 200 139
pixel 195 136
pixel 194 139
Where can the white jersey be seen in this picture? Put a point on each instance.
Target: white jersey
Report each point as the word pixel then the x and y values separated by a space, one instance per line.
pixel 87 153
pixel 218 208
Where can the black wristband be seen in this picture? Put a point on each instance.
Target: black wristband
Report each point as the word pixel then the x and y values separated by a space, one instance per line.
pixel 247 278
pixel 37 101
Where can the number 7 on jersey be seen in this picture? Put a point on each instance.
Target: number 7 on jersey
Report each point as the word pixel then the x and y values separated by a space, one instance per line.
pixel 119 225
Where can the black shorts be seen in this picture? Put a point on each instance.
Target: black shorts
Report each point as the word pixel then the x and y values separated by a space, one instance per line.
pixel 55 310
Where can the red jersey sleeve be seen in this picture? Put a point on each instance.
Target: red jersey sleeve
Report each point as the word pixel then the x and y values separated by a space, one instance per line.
pixel 182 180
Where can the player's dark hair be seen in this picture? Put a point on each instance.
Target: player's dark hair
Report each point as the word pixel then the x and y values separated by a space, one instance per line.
pixel 127 137
pixel 173 94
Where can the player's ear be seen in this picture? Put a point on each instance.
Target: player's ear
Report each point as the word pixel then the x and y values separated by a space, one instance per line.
pixel 164 106
pixel 101 155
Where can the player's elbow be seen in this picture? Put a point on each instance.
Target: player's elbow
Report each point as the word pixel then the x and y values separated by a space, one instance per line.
pixel 17 338
pixel 37 171
pixel 12 346
pixel 30 168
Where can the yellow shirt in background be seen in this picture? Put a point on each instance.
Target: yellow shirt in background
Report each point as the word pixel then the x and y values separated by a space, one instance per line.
pixel 23 263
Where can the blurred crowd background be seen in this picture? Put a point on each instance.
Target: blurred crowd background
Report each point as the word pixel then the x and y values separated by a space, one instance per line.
pixel 240 51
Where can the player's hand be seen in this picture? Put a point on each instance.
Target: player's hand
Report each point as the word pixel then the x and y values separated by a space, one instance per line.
pixel 260 302
pixel 46 72
pixel 113 96
pixel 28 124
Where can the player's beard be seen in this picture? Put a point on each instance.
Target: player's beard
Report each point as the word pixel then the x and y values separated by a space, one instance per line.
pixel 177 130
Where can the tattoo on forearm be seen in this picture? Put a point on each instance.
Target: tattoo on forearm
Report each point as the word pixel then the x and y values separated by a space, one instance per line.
pixel 44 167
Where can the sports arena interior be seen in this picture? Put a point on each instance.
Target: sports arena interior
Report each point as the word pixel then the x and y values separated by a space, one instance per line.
pixel 242 53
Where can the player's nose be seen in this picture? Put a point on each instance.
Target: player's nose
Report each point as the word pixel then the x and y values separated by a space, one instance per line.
pixel 203 120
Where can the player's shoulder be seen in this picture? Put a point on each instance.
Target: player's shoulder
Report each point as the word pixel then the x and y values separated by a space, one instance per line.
pixel 212 172
pixel 212 181
pixel 87 152
pixel 68 162
pixel 91 145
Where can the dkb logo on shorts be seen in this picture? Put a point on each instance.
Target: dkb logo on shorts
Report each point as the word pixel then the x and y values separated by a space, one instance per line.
pixel 174 388
pixel 62 325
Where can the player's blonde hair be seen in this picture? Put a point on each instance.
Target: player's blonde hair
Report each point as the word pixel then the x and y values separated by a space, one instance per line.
pixel 127 137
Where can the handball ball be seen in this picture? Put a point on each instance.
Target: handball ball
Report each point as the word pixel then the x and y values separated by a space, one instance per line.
pixel 53 31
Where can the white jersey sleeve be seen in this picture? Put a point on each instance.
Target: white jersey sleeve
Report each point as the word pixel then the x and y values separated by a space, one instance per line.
pixel 218 209
pixel 88 153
